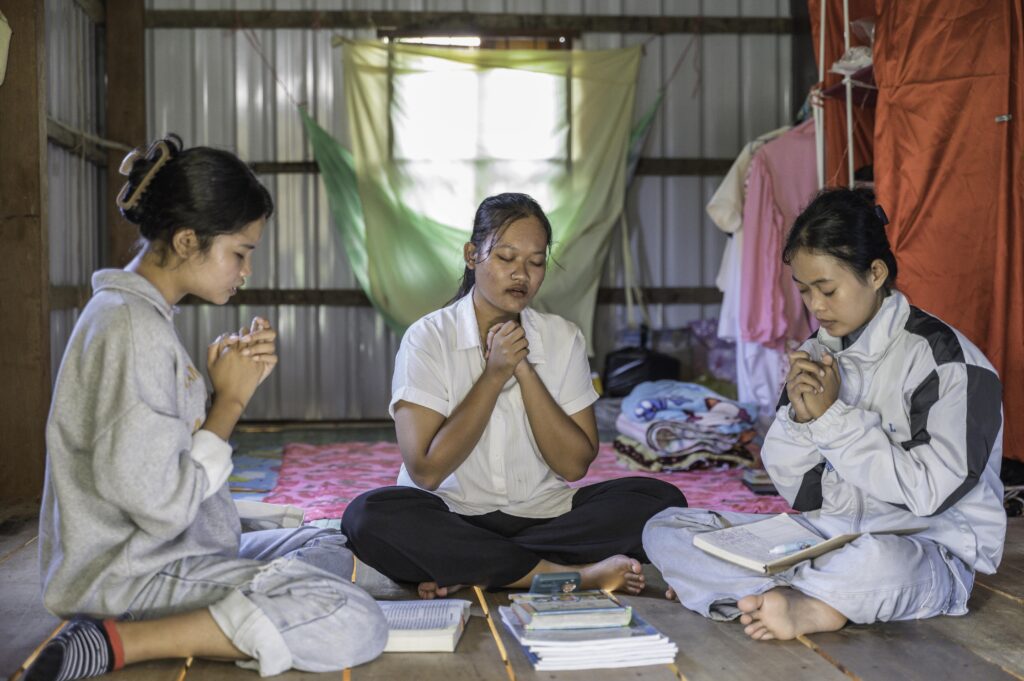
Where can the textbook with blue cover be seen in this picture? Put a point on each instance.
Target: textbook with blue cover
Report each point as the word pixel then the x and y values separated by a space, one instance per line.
pixel 573 610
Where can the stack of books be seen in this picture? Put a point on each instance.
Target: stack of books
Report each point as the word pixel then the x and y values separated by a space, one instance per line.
pixel 583 630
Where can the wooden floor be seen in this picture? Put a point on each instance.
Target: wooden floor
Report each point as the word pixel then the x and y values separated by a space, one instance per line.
pixel 986 644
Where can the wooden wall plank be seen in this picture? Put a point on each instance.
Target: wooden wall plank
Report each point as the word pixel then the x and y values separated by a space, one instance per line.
pixel 24 278
pixel 67 297
pixel 126 112
pixel 457 23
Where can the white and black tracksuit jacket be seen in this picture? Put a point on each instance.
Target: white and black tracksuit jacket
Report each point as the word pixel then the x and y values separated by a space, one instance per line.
pixel 914 440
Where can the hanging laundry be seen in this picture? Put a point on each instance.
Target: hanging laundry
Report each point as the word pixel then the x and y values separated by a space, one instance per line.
pixel 781 182
pixel 760 370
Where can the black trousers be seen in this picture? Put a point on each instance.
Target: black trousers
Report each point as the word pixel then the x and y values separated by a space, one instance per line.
pixel 411 535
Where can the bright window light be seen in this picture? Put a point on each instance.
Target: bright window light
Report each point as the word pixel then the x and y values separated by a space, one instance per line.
pixel 444 110
pixel 444 41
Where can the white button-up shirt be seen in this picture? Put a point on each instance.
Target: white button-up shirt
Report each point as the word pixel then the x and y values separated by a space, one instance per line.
pixel 440 360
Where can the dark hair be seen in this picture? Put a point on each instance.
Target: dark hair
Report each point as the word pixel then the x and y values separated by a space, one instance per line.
pixel 494 214
pixel 208 190
pixel 847 225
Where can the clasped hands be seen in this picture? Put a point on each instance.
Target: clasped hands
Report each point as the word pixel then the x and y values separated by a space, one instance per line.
pixel 811 386
pixel 506 350
pixel 239 362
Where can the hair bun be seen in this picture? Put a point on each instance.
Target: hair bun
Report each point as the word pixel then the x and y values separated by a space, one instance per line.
pixel 141 167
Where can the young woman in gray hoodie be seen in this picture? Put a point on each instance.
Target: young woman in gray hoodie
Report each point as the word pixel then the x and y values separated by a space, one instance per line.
pixel 139 538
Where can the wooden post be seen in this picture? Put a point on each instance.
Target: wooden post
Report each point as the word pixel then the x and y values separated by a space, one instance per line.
pixel 126 112
pixel 25 275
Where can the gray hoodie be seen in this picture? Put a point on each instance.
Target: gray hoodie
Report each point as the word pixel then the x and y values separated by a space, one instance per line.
pixel 132 484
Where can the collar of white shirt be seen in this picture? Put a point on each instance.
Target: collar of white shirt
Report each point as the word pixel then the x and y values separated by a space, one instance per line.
pixel 467 336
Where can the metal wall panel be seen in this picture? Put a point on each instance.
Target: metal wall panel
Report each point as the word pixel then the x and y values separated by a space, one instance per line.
pixel 75 186
pixel 212 87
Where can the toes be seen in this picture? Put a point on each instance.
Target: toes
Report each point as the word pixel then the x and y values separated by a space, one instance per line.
pixel 750 604
pixel 746 619
pixel 670 594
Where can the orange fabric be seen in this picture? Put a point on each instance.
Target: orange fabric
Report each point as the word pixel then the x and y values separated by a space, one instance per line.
pixel 835 109
pixel 949 175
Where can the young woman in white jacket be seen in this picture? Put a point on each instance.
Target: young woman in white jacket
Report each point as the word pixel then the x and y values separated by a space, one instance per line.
pixel 890 419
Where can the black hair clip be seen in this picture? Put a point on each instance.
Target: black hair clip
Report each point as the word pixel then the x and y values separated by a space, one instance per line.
pixel 881 215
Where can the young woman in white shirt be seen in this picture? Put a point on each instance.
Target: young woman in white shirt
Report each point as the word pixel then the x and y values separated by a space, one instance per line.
pixel 492 403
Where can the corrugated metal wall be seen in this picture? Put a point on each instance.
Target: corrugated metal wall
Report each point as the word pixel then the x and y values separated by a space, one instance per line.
pixel 73 97
pixel 211 87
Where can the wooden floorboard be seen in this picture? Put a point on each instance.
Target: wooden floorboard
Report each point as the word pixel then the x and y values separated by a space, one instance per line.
pixel 25 622
pixel 1009 579
pixel 157 670
pixel 208 670
pixel 476 657
pixel 712 651
pixel 988 643
pixel 15 533
pixel 993 630
pixel 909 651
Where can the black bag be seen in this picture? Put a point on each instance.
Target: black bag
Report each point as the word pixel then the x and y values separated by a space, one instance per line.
pixel 626 368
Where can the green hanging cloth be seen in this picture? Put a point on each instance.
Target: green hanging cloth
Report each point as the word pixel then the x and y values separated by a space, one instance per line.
pixel 436 130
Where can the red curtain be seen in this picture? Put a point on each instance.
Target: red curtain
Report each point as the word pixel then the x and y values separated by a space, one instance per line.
pixel 947 147
pixel 948 171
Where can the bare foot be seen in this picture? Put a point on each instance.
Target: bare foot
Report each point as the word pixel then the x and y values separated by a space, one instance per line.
pixel 670 594
pixel 784 614
pixel 430 590
pixel 618 573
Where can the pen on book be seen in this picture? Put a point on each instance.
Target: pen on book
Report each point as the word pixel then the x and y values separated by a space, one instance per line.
pixel 792 547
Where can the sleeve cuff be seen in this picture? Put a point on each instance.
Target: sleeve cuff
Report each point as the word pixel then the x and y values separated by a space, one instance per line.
pixel 581 402
pixel 214 456
pixel 795 430
pixel 416 396
pixel 828 425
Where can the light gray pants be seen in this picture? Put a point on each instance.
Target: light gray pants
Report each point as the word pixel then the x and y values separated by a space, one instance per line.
pixel 287 601
pixel 875 578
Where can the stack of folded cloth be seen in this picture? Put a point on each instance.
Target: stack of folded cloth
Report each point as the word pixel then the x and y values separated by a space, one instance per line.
pixel 676 426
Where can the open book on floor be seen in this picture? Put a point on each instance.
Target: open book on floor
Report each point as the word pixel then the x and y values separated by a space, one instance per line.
pixel 772 545
pixel 424 626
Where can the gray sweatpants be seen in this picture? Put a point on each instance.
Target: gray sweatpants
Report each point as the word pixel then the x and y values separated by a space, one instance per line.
pixel 875 578
pixel 287 601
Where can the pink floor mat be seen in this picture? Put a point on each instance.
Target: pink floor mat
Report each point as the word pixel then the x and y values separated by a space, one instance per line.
pixel 323 479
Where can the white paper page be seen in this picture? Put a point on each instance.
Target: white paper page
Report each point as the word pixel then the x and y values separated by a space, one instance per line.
pixel 422 615
pixel 758 542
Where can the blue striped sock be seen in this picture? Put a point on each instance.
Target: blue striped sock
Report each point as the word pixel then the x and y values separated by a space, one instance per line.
pixel 80 650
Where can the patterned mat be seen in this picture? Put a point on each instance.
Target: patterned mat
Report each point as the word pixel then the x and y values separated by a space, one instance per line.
pixel 323 479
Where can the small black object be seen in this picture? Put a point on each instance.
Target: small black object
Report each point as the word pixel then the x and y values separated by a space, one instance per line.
pixel 626 368
pixel 881 215
pixel 555 583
